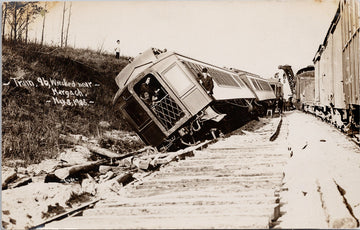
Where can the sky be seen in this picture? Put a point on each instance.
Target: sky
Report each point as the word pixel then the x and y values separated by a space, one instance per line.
pixel 252 35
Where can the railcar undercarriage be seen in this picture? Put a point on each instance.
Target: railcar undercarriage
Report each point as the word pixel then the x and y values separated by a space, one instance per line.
pixel 218 119
pixel 347 120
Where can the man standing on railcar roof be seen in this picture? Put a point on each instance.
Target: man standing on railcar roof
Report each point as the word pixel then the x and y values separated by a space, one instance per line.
pixel 207 81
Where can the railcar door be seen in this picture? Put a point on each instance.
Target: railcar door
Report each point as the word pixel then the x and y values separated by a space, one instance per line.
pixel 140 119
pixel 186 88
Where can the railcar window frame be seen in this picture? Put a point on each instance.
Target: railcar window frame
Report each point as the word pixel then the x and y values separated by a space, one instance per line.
pixel 221 78
pixel 256 84
pixel 240 81
pixel 264 84
pixel 179 92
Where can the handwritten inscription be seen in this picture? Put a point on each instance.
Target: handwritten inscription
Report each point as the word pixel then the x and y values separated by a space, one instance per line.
pixel 70 102
pixel 56 83
pixel 61 92
pixel 23 83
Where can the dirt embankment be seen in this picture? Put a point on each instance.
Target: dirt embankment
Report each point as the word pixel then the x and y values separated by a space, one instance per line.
pixel 48 91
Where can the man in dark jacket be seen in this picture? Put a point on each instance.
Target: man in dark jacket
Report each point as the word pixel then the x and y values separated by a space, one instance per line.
pixel 281 105
pixel 207 81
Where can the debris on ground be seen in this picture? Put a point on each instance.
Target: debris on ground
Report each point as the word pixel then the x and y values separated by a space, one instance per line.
pixel 81 173
pixel 8 177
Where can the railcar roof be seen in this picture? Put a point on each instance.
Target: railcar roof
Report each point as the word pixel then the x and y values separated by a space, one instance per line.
pixel 331 29
pixel 306 69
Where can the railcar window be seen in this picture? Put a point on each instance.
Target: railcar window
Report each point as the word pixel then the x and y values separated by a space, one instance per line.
pixel 264 85
pixel 256 85
pixel 221 78
pixel 178 80
pixel 149 89
pixel 239 81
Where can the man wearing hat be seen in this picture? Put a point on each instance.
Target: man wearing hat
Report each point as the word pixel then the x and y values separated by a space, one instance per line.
pixel 207 81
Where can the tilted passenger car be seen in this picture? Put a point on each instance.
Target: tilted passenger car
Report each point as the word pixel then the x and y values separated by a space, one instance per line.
pixel 166 102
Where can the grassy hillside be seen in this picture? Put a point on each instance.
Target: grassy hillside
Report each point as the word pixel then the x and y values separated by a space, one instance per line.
pixel 32 119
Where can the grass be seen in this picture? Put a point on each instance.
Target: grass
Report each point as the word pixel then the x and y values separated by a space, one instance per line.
pixel 31 125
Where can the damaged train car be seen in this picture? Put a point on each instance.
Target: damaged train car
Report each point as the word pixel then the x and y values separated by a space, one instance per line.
pixel 168 100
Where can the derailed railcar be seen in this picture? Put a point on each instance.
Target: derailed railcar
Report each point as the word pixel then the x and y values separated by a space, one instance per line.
pixel 182 111
pixel 337 66
pixel 262 89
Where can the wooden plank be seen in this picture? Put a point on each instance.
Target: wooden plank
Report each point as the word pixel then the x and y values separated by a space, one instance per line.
pixel 65 172
pixel 65 214
pixel 8 177
pixel 21 182
pixel 225 209
pixel 99 150
pixel 151 222
pixel 91 147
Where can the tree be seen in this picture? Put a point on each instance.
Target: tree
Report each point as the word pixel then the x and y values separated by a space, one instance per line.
pixel 32 11
pixel 68 25
pixel 62 27
pixel 19 16
pixel 4 14
pixel 43 13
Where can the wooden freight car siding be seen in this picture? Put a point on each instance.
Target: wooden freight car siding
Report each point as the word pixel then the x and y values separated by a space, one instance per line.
pixel 233 183
pixel 350 21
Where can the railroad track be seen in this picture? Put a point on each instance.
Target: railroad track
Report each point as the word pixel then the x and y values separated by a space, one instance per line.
pixel 233 183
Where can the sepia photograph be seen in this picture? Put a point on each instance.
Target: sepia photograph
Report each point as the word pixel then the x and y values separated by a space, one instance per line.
pixel 180 114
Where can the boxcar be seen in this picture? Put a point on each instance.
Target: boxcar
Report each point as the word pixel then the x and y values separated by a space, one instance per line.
pixel 305 89
pixel 337 64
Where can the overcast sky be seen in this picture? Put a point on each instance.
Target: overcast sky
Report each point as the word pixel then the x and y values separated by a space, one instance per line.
pixel 254 36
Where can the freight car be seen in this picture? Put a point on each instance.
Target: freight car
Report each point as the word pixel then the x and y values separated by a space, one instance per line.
pixel 305 89
pixel 337 67
pixel 164 97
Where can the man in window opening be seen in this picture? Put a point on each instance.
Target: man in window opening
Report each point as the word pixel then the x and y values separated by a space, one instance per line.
pixel 117 49
pixel 146 98
pixel 207 81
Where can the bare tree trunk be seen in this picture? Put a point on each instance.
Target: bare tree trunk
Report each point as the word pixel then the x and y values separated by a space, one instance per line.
pixel 42 33
pixel 11 33
pixel 62 27
pixel 68 25
pixel 27 26
pixel 4 19
pixel 15 23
